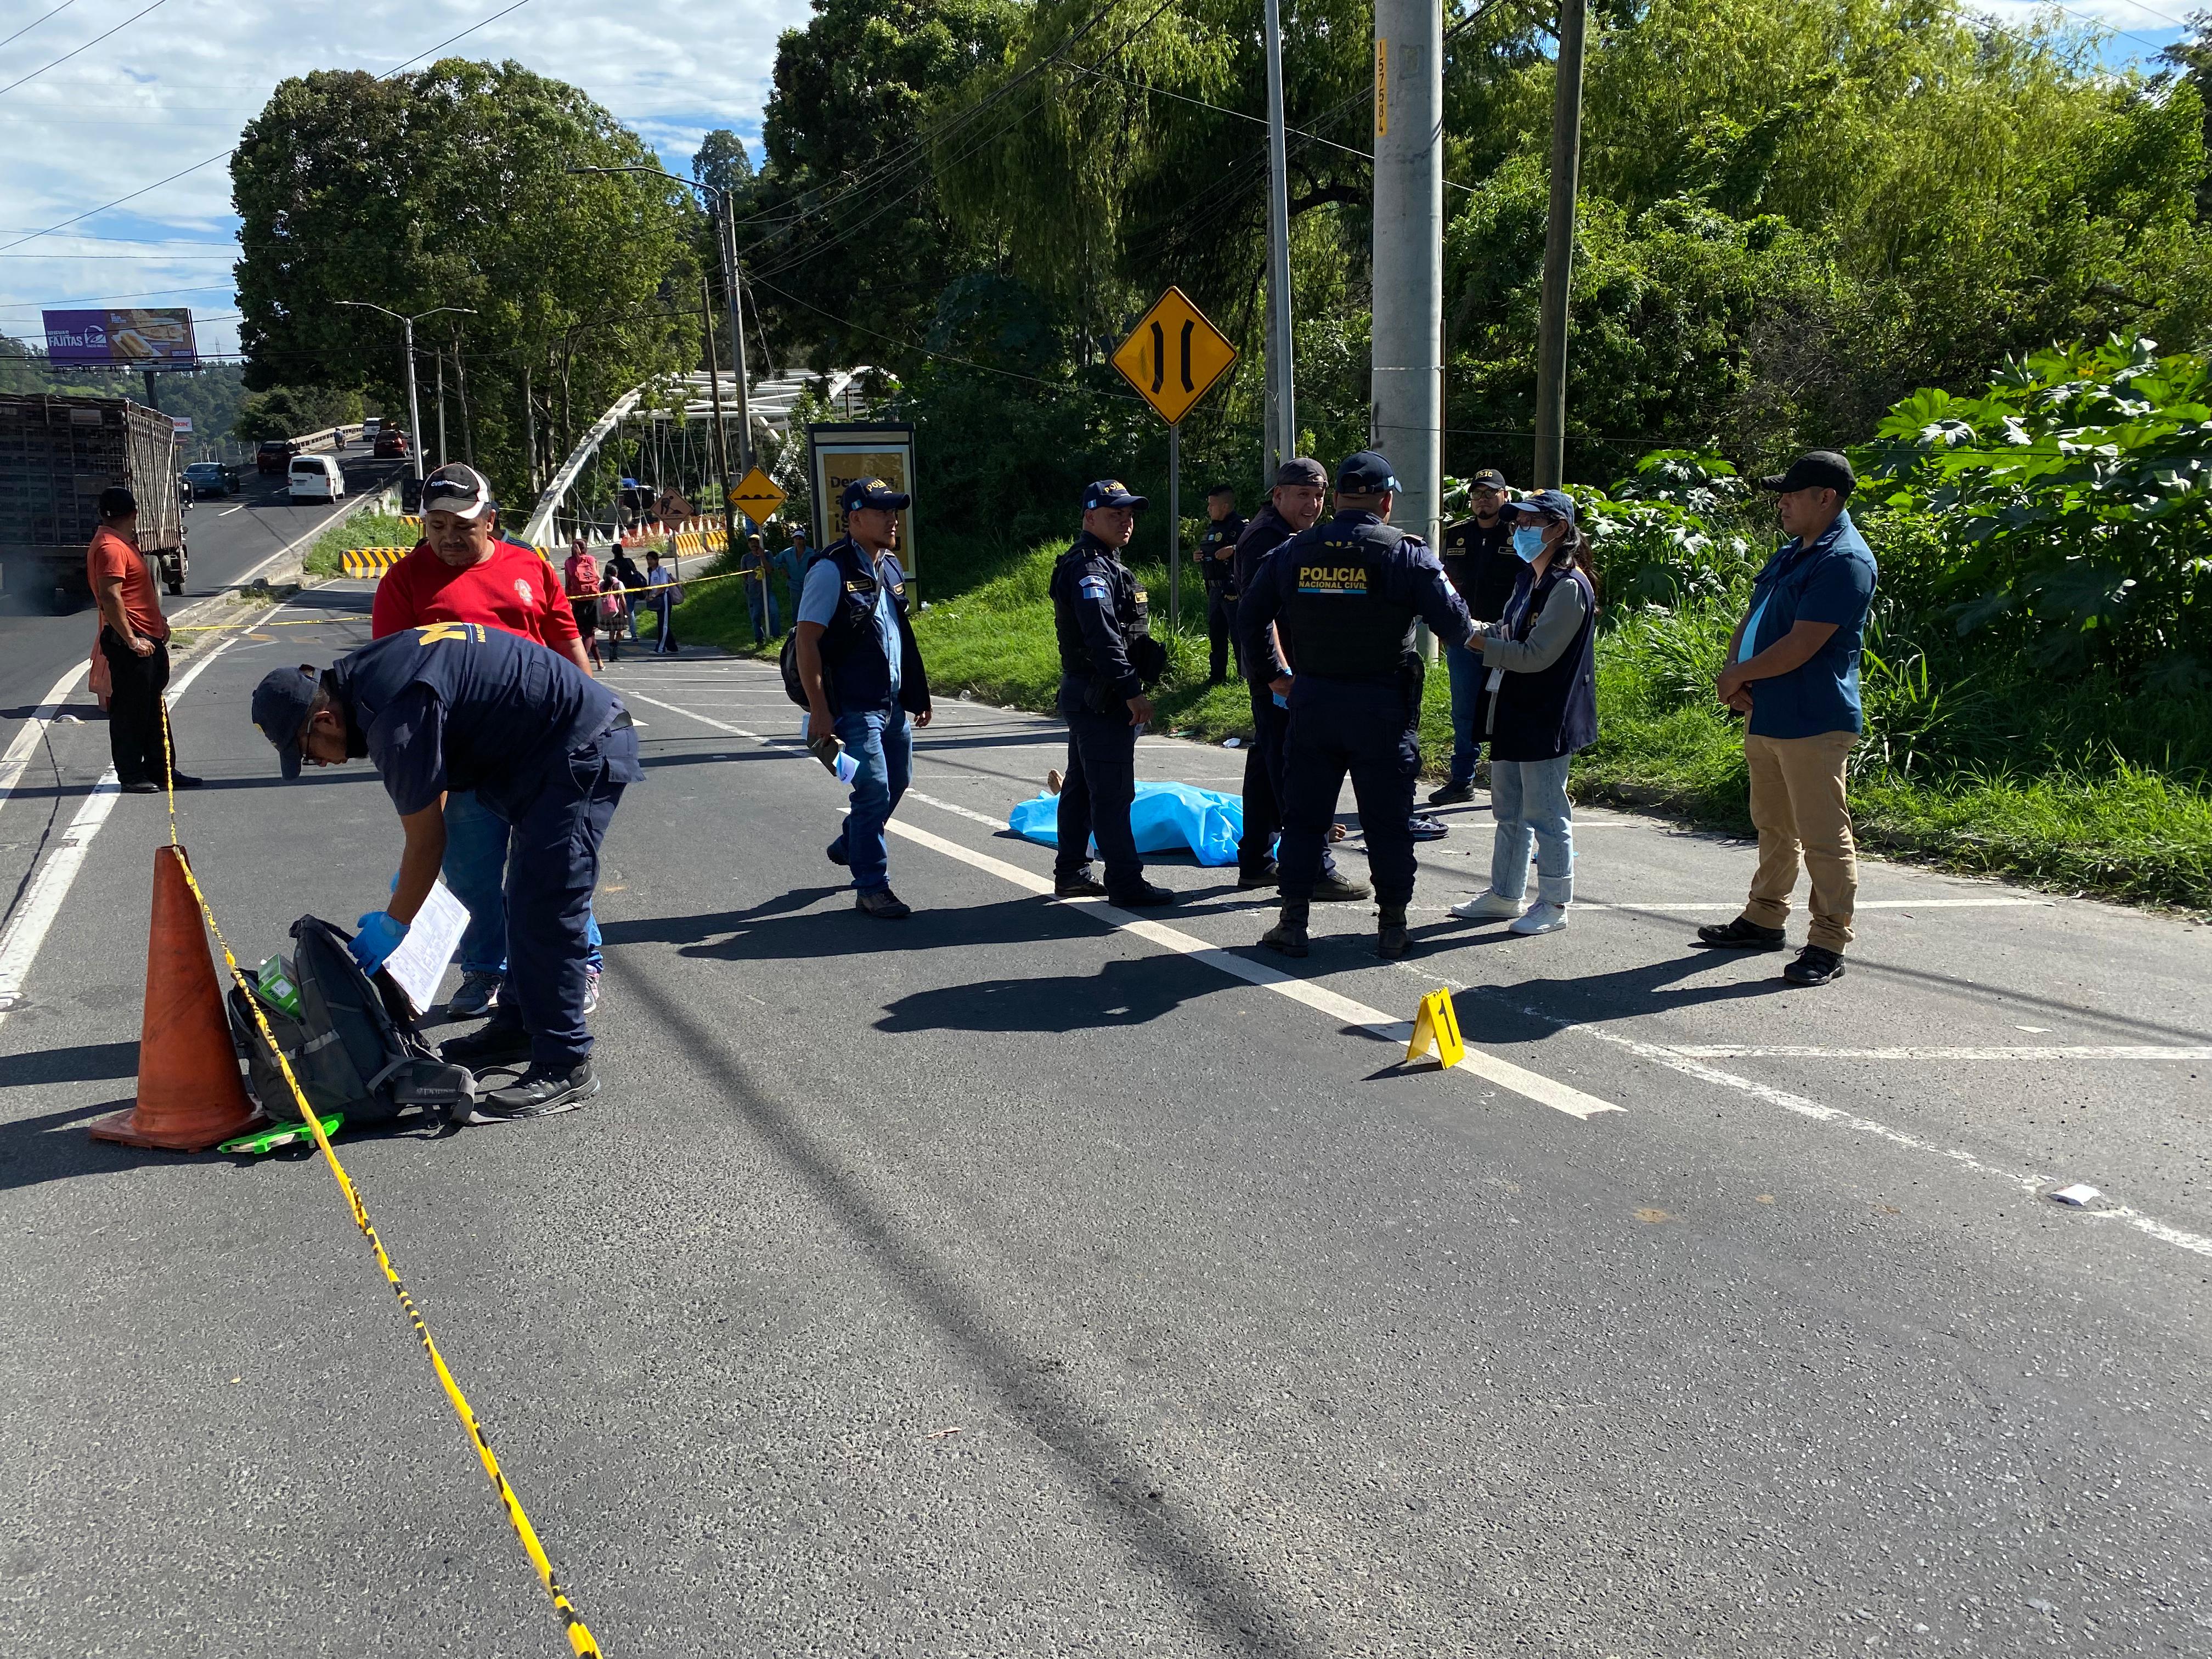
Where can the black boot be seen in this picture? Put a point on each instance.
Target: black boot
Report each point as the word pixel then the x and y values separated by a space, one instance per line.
pixel 1288 935
pixel 1391 942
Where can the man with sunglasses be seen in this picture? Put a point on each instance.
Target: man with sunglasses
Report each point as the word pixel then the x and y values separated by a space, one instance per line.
pixel 463 707
pixel 463 571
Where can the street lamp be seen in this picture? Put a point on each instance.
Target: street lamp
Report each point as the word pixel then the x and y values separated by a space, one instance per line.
pixel 414 404
pixel 725 245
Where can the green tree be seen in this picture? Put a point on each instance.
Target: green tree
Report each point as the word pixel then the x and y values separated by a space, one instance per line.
pixel 721 162
pixel 450 186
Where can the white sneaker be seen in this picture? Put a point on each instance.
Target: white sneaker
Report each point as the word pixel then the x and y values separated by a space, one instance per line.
pixel 1488 907
pixel 1540 919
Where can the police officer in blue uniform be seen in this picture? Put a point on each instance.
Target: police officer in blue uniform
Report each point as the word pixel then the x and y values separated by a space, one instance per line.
pixel 1107 657
pixel 460 706
pixel 1350 591
pixel 1217 559
pixel 1295 504
pixel 862 676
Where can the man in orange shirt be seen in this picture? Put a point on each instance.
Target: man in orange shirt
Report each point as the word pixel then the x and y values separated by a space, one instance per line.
pixel 462 571
pixel 134 637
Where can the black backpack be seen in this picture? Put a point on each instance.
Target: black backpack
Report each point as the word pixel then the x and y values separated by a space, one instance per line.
pixel 353 1047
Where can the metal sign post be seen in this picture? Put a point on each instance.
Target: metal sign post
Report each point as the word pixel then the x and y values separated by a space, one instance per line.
pixel 1173 357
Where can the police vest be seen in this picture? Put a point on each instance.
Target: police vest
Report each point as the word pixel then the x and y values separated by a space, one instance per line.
pixel 852 646
pixel 1131 607
pixel 1346 628
pixel 1217 571
pixel 511 704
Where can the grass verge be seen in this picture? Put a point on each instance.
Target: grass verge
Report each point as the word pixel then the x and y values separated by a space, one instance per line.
pixel 2116 830
pixel 326 554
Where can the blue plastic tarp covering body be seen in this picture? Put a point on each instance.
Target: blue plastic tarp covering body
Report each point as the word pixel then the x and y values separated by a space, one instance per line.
pixel 1167 818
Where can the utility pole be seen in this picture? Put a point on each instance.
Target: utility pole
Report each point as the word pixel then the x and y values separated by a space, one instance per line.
pixel 529 433
pixel 714 389
pixel 414 405
pixel 729 243
pixel 1283 404
pixel 415 402
pixel 441 356
pixel 1559 250
pixel 1408 385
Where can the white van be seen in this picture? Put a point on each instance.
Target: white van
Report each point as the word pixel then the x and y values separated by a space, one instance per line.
pixel 372 426
pixel 317 478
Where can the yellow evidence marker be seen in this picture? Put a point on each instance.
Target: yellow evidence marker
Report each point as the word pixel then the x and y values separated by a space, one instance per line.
pixel 1437 1023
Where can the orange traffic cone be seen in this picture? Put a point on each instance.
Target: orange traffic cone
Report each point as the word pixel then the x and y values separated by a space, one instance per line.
pixel 189 1094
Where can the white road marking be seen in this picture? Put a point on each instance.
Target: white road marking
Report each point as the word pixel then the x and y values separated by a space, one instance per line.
pixel 1992 904
pixel 27 929
pixel 42 901
pixel 2068 1051
pixel 1689 1064
pixel 1530 1085
pixel 34 730
pixel 227 511
pixel 984 818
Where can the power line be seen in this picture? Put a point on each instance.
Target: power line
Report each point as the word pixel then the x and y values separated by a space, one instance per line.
pixel 87 47
pixel 35 21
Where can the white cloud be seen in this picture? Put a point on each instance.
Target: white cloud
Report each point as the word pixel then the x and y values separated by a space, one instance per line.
pixel 177 86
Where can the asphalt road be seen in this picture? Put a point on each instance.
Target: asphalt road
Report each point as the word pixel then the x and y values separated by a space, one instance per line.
pixel 229 539
pixel 1031 1278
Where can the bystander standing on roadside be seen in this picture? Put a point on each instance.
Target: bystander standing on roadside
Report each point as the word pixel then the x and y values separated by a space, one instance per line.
pixel 628 582
pixel 760 590
pixel 790 560
pixel 463 572
pixel 1478 560
pixel 866 684
pixel 134 639
pixel 663 595
pixel 579 577
pixel 1793 667
pixel 1541 674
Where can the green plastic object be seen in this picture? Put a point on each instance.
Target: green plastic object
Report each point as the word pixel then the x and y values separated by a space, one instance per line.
pixel 280 1134
pixel 273 980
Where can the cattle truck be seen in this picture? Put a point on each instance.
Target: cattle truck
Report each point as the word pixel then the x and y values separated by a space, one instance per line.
pixel 57 454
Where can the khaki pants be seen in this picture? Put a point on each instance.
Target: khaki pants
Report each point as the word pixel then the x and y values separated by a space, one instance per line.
pixel 1797 801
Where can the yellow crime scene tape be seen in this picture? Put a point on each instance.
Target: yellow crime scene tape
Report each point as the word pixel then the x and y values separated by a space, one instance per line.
pixel 326 622
pixel 580 1641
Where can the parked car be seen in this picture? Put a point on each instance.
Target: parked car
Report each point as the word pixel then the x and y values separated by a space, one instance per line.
pixel 390 445
pixel 274 455
pixel 211 479
pixel 317 478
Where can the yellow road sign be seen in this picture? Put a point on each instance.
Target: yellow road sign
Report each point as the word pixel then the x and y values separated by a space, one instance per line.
pixel 756 495
pixel 1174 356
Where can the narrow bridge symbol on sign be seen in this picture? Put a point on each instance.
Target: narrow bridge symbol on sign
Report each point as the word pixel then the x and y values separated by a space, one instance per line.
pixel 1174 356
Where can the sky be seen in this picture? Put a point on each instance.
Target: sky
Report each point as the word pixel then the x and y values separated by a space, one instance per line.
pixel 173 86
pixel 177 79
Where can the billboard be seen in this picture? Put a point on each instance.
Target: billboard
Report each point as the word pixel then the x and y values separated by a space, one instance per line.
pixel 842 452
pixel 132 339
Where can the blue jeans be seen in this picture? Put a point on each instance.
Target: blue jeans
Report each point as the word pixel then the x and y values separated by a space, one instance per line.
pixel 760 600
pixel 1529 799
pixel 882 745
pixel 475 870
pixel 1467 675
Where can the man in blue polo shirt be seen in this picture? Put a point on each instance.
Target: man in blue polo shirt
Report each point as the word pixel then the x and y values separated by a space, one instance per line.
pixel 1793 667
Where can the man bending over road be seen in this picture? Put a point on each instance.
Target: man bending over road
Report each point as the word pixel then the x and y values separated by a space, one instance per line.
pixel 545 748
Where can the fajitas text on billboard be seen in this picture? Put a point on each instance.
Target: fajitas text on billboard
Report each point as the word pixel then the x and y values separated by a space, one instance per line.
pixel 134 338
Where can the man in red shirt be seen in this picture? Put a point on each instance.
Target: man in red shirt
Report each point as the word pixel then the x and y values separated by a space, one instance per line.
pixel 462 572
pixel 134 637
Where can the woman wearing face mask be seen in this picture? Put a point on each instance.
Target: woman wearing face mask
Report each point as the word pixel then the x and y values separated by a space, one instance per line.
pixel 1543 707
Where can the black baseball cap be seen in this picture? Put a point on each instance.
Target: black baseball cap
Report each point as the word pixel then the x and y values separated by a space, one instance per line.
pixel 281 703
pixel 1816 469
pixel 1546 504
pixel 1366 472
pixel 871 492
pixel 1303 470
pixel 460 491
pixel 1489 479
pixel 1111 492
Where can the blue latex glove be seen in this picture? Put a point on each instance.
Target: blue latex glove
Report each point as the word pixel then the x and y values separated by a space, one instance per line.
pixel 1281 701
pixel 377 936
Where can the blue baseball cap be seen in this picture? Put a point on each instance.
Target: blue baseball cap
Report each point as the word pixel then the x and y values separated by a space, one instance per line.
pixel 871 492
pixel 1111 492
pixel 1546 504
pixel 281 703
pixel 1368 473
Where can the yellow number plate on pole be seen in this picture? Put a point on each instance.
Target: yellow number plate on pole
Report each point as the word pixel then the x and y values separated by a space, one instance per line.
pixel 1174 356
